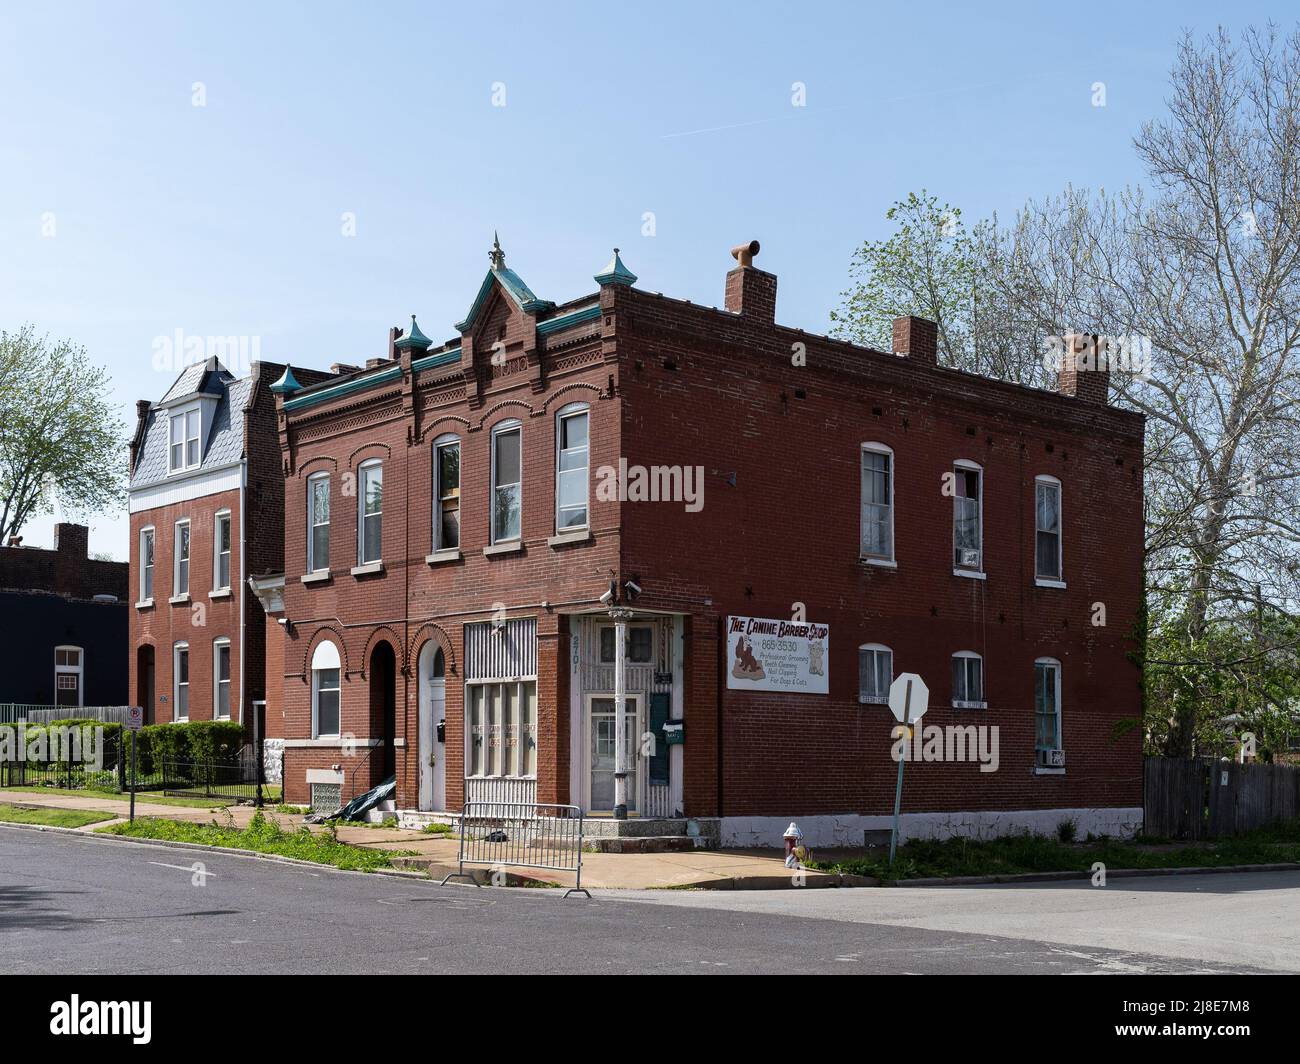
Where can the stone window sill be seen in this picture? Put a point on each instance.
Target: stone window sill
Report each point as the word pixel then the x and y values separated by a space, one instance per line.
pixel 1049 772
pixel 223 593
pixel 180 600
pixel 368 569
pixel 880 563
pixel 515 546
pixel 144 604
pixel 442 557
pixel 320 576
pixel 1042 582
pixel 563 539
pixel 969 574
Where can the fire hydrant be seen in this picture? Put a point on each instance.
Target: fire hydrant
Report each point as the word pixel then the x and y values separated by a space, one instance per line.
pixel 796 854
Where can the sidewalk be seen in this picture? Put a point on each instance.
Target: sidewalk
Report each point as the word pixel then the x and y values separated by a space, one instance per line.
pixel 436 855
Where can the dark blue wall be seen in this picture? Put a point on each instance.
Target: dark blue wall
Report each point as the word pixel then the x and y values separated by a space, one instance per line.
pixel 33 624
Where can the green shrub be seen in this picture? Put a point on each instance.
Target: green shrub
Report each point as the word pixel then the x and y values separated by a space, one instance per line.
pixel 1066 830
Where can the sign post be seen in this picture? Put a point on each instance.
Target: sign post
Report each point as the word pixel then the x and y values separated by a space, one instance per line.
pixel 909 698
pixel 134 722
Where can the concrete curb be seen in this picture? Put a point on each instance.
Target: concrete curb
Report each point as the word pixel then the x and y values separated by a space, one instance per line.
pixel 173 844
pixel 1111 873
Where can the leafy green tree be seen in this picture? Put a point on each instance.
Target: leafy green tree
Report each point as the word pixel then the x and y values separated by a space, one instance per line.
pixel 60 439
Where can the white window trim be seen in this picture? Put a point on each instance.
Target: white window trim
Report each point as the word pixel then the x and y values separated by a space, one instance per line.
pixel 177 593
pixel 79 670
pixel 1059 580
pixel 147 530
pixel 176 681
pixel 370 463
pixel 217 645
pixel 181 414
pixel 313 565
pixel 572 410
pixel 1055 665
pixel 976 574
pixel 513 425
pixel 447 439
pixel 216 551
pixel 325 656
pixel 984 682
pixel 890 562
pixel 878 648
pixel 518 683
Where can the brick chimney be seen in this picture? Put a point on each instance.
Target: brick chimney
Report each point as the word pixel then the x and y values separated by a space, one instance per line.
pixel 1085 369
pixel 73 540
pixel 751 292
pixel 917 339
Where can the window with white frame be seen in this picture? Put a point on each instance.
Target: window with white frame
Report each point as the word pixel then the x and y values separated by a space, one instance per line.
pixel 221 552
pixel 968 680
pixel 181 560
pixel 507 481
pixel 370 518
pixel 967 517
pixel 325 673
pixel 639 647
pixel 318 522
pixel 1047 528
pixel 571 464
pixel 501 729
pixel 69 673
pixel 446 493
pixel 875 673
pixel 181 681
pixel 1047 704
pixel 146 564
pixel 877 502
pixel 184 427
pixel 221 679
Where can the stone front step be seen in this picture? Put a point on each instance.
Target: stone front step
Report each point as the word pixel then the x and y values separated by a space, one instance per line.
pixel 643 844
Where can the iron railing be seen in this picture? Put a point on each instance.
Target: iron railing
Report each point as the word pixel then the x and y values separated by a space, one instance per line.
pixel 522 835
pixel 234 778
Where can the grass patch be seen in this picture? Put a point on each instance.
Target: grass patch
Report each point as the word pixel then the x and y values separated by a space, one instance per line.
pixel 124 798
pixel 1026 853
pixel 264 834
pixel 437 829
pixel 54 818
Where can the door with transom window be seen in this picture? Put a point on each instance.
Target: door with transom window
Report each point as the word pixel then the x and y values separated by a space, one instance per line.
pixel 600 753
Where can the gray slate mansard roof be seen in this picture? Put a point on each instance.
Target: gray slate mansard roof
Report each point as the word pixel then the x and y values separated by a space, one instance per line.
pixel 225 441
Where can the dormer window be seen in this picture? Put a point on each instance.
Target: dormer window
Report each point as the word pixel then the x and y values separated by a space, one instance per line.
pixel 185 451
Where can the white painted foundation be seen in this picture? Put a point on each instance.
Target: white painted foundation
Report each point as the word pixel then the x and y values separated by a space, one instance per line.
pixel 843 830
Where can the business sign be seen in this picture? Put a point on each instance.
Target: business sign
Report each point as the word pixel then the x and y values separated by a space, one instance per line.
pixel 764 654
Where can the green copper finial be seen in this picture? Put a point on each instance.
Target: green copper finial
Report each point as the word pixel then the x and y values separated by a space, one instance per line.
pixel 287 384
pixel 414 338
pixel 616 273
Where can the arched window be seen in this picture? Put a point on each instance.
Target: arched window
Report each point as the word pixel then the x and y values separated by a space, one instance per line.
pixel 572 457
pixel 507 481
pixel 877 542
pixel 318 522
pixel 968 680
pixel 875 673
pixel 370 515
pixel 325 689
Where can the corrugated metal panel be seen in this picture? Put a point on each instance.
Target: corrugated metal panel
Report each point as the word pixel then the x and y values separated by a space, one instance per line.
pixel 501 653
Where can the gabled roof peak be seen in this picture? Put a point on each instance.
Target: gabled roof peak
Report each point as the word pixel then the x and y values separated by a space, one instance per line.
pixel 511 283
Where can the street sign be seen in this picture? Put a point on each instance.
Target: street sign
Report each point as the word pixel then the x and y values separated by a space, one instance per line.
pixel 909 698
pixel 135 718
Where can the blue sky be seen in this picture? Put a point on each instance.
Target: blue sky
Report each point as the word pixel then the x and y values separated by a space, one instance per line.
pixel 227 219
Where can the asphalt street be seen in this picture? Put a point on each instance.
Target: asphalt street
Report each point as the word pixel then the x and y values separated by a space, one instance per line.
pixel 80 904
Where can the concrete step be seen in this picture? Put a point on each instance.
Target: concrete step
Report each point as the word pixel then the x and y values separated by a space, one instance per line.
pixel 643 844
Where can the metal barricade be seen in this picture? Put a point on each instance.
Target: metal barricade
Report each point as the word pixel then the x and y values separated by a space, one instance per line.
pixel 525 835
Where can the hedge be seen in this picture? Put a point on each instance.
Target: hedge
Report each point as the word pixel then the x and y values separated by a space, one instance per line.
pixel 198 740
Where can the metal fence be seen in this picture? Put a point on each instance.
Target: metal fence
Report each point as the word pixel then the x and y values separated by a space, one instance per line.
pixel 522 835
pixel 19 712
pixel 64 775
pixel 234 778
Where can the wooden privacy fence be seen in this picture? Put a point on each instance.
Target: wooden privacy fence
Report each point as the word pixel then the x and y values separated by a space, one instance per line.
pixel 1207 799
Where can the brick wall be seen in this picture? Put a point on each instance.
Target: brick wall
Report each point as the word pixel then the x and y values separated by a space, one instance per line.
pixel 67 569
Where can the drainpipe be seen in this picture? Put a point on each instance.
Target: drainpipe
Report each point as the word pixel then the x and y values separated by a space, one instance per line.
pixel 620 713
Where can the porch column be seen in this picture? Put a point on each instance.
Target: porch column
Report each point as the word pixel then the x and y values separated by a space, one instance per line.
pixel 620 712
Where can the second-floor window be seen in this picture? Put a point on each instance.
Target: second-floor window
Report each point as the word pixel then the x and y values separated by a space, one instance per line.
pixel 877 503
pixel 967 517
pixel 1047 528
pixel 371 517
pixel 507 483
pixel 446 494
pixel 184 428
pixel 181 573
pixel 221 553
pixel 146 565
pixel 318 522
pixel 571 470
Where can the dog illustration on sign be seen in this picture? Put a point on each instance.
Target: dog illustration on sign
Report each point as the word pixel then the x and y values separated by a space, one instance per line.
pixel 817 658
pixel 747 667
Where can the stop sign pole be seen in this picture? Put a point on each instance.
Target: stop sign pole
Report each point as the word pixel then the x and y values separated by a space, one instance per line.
pixel 908 698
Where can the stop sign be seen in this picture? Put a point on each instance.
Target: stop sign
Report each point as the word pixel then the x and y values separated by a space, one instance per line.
pixel 909 698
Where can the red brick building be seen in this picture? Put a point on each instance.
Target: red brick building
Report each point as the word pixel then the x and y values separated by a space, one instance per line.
pixel 455 513
pixel 206 499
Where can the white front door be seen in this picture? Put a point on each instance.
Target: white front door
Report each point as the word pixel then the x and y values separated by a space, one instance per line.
pixel 600 753
pixel 433 761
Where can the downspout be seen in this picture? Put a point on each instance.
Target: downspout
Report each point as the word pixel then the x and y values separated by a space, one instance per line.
pixel 722 685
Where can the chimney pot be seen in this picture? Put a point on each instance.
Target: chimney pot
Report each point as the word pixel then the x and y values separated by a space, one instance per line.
pixel 750 292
